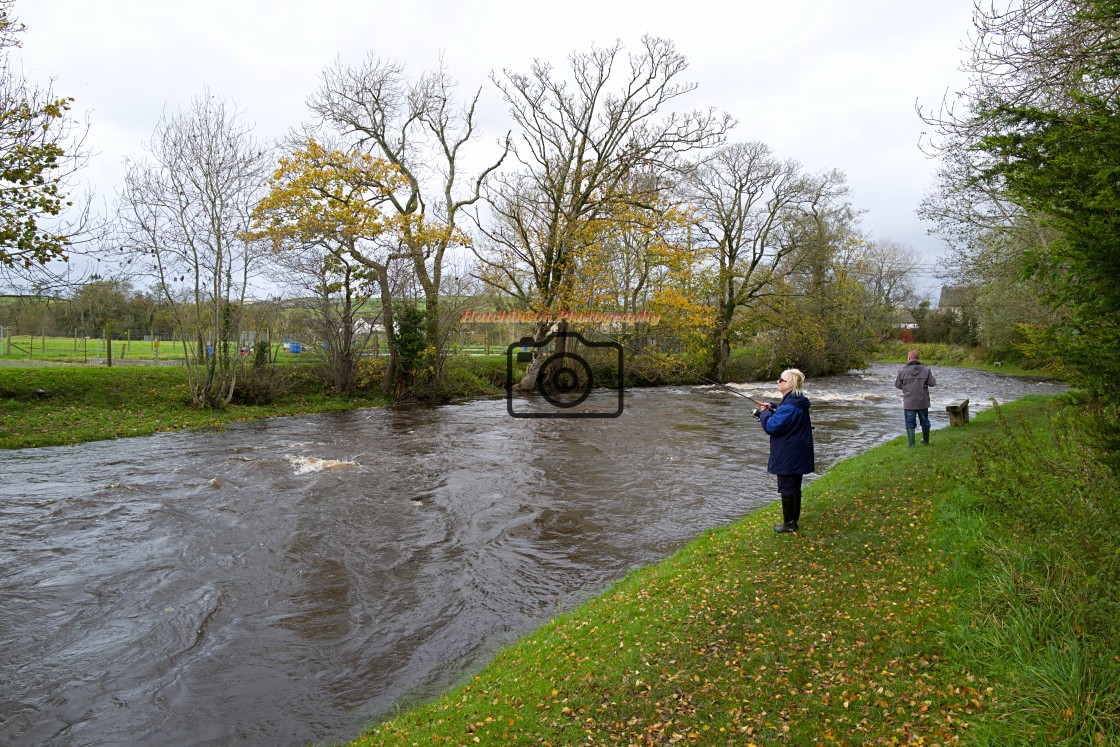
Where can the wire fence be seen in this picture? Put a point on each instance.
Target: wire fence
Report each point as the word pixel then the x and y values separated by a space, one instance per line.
pixel 86 349
pixel 17 349
pixel 97 351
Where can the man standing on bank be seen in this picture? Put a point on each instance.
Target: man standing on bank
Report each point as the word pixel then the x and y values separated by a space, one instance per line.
pixel 791 444
pixel 915 379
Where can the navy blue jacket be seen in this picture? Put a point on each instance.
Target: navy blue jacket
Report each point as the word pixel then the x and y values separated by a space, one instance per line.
pixel 791 436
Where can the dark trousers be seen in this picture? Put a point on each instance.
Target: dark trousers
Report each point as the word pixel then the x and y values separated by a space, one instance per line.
pixel 913 417
pixel 789 485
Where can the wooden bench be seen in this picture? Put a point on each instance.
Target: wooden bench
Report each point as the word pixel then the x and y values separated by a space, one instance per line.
pixel 958 412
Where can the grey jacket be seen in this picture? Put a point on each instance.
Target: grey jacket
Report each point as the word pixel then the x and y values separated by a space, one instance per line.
pixel 915 379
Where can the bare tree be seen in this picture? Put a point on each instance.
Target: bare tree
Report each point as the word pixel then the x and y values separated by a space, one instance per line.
pixel 340 289
pixel 183 215
pixel 887 268
pixel 747 202
pixel 581 145
pixel 420 128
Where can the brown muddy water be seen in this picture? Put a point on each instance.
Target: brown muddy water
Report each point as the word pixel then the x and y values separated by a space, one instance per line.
pixel 286 582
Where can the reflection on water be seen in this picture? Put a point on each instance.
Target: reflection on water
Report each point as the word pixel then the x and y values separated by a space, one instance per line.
pixel 284 582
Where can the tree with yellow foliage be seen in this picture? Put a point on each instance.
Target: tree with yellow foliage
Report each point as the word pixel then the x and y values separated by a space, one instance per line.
pixel 330 204
pixel 420 128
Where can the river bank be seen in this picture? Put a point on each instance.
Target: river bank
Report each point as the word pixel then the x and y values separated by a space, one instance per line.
pixel 960 593
pixel 59 405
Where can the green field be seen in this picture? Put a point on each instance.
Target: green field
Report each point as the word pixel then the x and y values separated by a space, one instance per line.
pixel 81 350
pixel 87 350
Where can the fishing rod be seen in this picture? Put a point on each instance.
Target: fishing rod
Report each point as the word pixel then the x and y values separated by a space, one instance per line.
pixel 757 411
pixel 734 391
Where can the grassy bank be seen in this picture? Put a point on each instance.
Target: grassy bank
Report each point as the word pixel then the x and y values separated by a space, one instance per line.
pixel 78 404
pixel 941 354
pixel 962 593
pixel 56 406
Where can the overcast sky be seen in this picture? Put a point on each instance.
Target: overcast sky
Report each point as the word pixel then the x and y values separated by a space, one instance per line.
pixel 829 84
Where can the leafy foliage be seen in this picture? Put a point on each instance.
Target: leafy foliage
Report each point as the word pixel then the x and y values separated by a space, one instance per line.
pixel 1062 165
pixel 34 133
pixel 410 340
pixel 1037 150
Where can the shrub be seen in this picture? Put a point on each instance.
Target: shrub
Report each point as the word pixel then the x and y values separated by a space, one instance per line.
pixel 463 378
pixel 490 369
pixel 369 372
pixel 751 363
pixel 261 354
pixel 262 385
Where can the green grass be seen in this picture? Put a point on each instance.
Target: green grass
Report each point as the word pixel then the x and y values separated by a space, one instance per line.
pixel 72 350
pixel 91 404
pixel 915 607
pixel 959 355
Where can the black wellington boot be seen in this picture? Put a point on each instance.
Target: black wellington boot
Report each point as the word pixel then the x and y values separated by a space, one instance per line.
pixel 796 510
pixel 910 437
pixel 925 436
pixel 788 524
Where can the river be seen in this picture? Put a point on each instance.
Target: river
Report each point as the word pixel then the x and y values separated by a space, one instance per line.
pixel 287 581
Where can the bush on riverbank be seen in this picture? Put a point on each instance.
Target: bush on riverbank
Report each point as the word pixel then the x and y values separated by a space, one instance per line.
pixel 936 596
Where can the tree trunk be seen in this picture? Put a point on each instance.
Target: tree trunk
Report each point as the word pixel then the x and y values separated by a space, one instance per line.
pixel 529 381
pixel 388 381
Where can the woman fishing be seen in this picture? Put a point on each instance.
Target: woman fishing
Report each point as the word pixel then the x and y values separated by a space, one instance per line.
pixel 791 444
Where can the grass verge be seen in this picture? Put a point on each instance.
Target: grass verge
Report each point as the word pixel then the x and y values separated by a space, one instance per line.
pixel 963 356
pixel 92 404
pixel 942 595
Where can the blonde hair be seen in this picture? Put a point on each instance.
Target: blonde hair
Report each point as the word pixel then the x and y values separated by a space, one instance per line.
pixel 795 379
